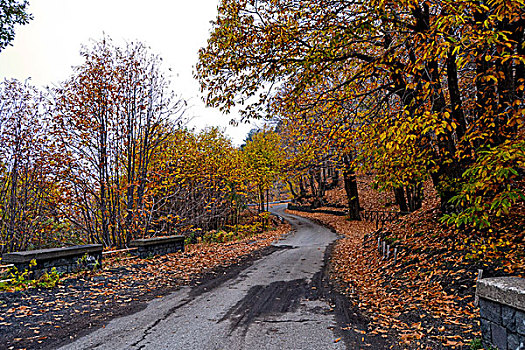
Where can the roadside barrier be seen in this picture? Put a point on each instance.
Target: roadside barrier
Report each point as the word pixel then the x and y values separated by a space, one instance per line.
pixel 381 216
pixel 502 311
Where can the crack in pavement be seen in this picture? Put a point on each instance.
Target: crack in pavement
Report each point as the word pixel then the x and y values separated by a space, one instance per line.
pixel 147 331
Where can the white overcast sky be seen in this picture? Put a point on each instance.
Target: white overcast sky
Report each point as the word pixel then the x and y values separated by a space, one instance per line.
pixel 46 48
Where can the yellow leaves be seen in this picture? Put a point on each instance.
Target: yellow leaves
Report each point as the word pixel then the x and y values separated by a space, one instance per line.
pixel 484 7
pixel 263 158
pixel 490 78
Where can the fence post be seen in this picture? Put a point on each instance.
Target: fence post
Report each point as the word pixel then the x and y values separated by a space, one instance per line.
pixel 395 256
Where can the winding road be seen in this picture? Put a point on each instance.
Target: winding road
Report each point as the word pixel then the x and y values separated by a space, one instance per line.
pixel 279 302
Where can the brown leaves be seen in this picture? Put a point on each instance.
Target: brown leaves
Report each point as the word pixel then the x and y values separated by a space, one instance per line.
pixel 124 281
pixel 414 298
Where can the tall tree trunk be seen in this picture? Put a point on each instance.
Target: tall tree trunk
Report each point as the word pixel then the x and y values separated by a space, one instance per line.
pixel 335 178
pixel 319 190
pixel 102 178
pixel 399 194
pixel 302 189
pixel 261 200
pixel 313 190
pixel 455 96
pixel 414 196
pixel 294 194
pixel 350 182
pixel 267 199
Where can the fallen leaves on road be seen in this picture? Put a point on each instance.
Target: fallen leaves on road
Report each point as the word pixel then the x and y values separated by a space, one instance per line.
pixel 87 299
pixel 426 300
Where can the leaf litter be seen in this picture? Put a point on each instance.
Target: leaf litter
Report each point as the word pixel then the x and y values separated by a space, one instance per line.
pixel 425 300
pixel 38 318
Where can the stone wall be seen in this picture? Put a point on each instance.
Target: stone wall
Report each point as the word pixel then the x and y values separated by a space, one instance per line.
pixel 149 247
pixel 502 309
pixel 65 260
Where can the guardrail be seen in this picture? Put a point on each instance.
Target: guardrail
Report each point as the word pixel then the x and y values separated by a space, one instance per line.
pixel 502 311
pixel 65 260
pixel 158 245
pixel 118 251
pixel 75 258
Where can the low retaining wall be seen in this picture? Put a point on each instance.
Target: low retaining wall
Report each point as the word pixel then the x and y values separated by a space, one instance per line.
pixel 502 309
pixel 65 260
pixel 157 246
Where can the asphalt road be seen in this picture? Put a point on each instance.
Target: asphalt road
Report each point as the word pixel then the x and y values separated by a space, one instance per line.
pixel 276 303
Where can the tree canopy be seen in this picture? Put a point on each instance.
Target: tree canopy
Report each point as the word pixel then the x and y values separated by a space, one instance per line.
pixel 414 89
pixel 104 157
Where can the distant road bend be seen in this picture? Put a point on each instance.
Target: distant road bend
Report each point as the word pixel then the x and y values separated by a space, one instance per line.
pixel 276 303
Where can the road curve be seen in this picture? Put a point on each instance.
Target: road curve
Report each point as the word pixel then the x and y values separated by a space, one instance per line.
pixel 273 304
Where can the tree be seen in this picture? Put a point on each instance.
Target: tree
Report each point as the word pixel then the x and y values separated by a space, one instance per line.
pixel 325 127
pixel 29 193
pixel 262 159
pixel 112 116
pixel 432 84
pixel 197 181
pixel 12 12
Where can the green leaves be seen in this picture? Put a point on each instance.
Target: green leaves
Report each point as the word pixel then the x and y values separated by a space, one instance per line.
pixel 492 185
pixel 263 160
pixel 413 89
pixel 12 12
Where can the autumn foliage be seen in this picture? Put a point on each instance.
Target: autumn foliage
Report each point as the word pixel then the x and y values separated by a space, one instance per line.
pixel 412 90
pixel 104 157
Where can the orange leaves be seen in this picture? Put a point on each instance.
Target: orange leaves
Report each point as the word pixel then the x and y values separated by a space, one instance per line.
pixel 198 258
pixel 387 82
pixel 425 298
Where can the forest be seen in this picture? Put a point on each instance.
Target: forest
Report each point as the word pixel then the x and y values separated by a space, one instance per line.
pixel 411 91
pixel 407 91
pixel 408 113
pixel 105 157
